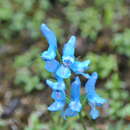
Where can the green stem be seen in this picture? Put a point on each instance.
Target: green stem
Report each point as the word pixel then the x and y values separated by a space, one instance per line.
pixel 58 55
pixel 67 82
pixel 82 121
pixel 94 124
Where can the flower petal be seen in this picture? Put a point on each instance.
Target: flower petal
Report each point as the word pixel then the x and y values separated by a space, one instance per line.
pixel 58 95
pixel 56 85
pixel 49 54
pixel 75 89
pixel 90 84
pixel 50 36
pixel 69 113
pixel 68 51
pixel 56 106
pixel 63 72
pixel 92 96
pixel 94 113
pixel 52 65
pixel 80 66
pixel 75 106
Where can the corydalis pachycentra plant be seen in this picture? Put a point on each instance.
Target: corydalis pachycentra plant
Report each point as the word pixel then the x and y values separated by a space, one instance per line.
pixel 61 70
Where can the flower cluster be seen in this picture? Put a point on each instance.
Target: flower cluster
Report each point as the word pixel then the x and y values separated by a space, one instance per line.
pixel 62 70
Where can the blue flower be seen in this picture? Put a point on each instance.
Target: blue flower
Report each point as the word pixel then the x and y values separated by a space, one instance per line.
pixel 74 106
pixel 69 62
pixel 93 98
pixel 62 70
pixel 80 67
pixel 59 103
pixel 58 94
pixel 49 54
pixel 67 58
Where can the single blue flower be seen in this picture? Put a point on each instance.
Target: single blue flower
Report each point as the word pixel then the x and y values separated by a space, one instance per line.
pixel 74 106
pixel 93 98
pixel 51 38
pixel 80 67
pixel 59 103
pixel 67 58
pixel 69 62
pixel 58 94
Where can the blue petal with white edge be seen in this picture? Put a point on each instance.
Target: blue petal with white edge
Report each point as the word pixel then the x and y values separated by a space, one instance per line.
pixel 49 54
pixel 94 113
pixel 75 89
pixel 75 106
pixel 63 72
pixel 92 96
pixel 56 85
pixel 80 66
pixel 51 65
pixel 69 113
pixel 56 106
pixel 68 51
pixel 99 101
pixel 58 95
pixel 50 36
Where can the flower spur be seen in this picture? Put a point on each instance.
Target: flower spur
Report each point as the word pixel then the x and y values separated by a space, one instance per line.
pixel 74 106
pixel 49 54
pixel 93 98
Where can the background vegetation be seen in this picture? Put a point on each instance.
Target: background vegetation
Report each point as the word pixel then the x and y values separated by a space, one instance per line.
pixel 103 36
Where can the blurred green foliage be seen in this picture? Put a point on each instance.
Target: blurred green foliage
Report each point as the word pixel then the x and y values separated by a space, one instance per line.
pixel 86 19
pixel 112 10
pixel 59 123
pixel 30 70
pixel 3 124
pixel 26 16
pixel 121 42
pixel 34 123
pixel 17 15
pixel 118 96
pixel 103 64
pixel 118 126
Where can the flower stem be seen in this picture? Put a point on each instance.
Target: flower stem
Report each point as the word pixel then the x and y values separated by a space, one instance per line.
pixel 58 55
pixel 82 121
pixel 67 82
